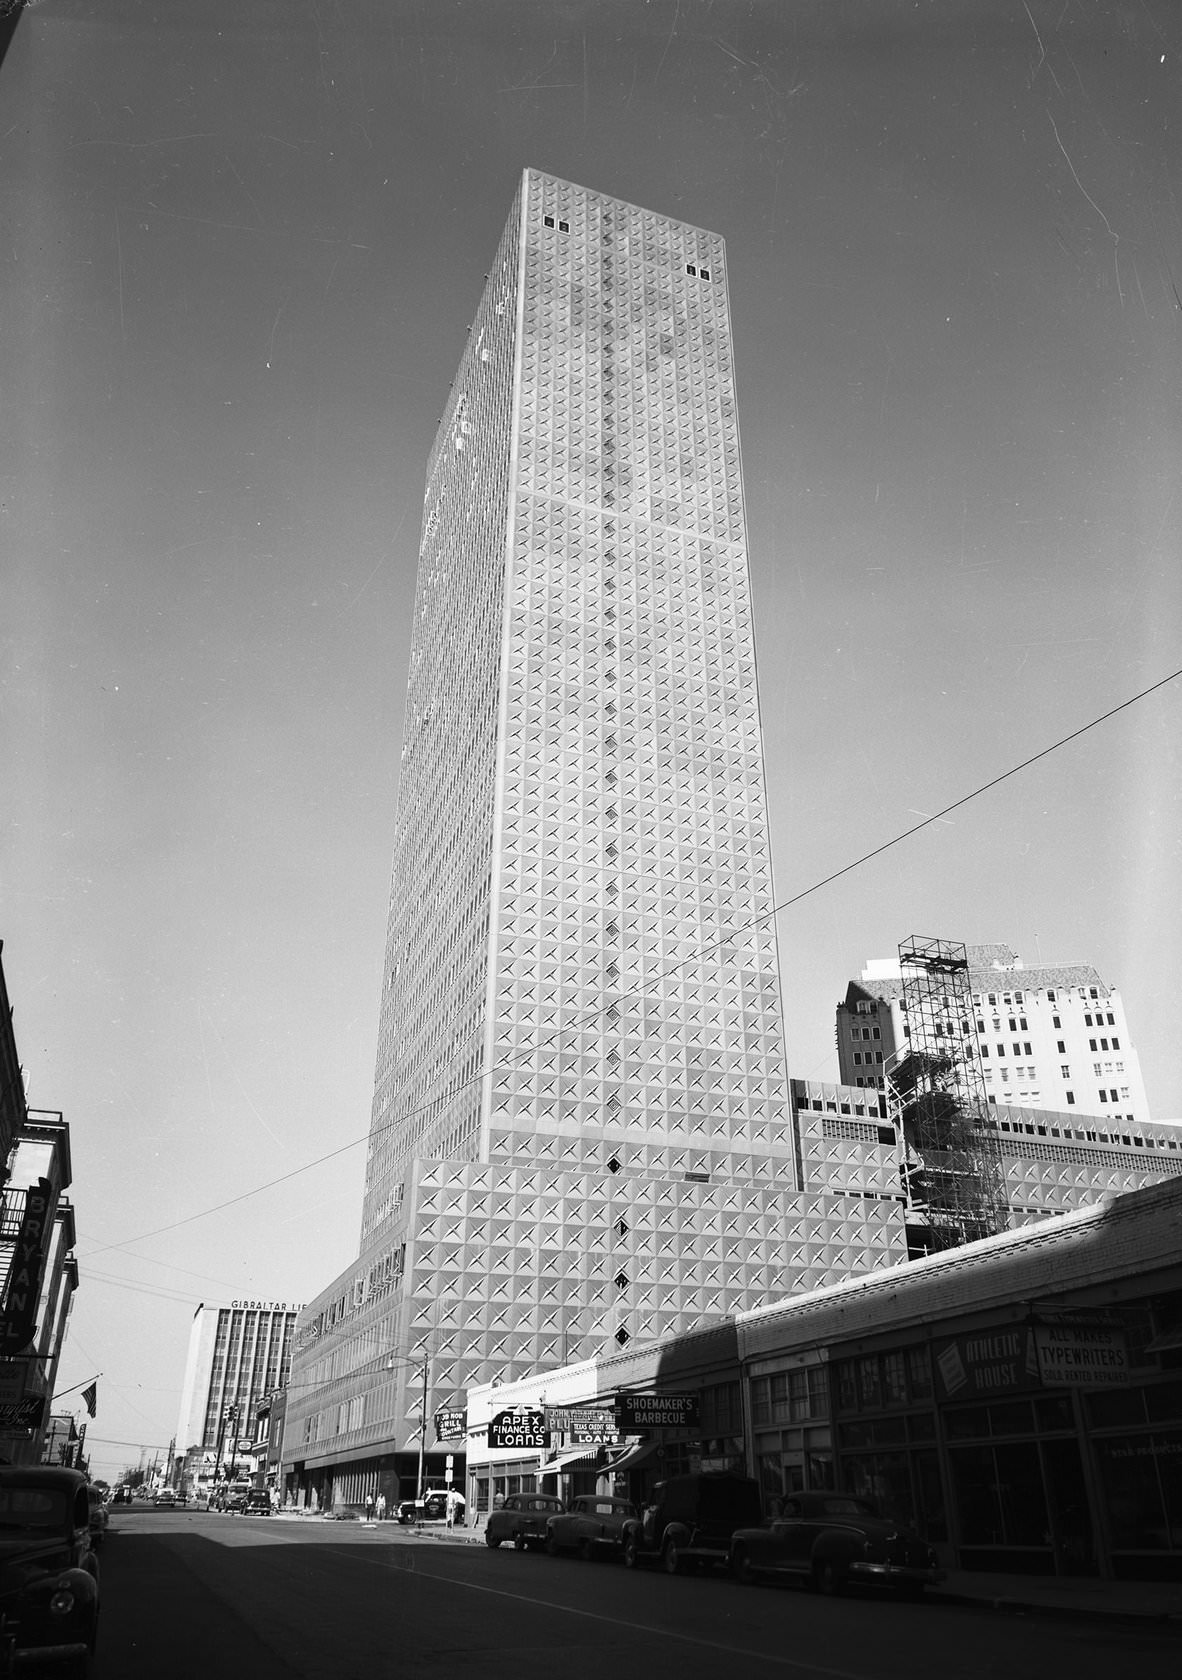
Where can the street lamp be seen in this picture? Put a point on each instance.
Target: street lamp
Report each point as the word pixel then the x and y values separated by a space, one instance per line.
pixel 391 1362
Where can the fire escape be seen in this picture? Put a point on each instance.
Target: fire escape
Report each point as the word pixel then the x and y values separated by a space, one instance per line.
pixel 950 1157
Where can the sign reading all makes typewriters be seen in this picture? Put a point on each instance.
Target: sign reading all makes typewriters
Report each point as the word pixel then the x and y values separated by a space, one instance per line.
pixel 525 1428
pixel 657 1411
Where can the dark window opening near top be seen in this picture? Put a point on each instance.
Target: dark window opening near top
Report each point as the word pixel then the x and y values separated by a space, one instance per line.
pixel 548 221
pixel 564 227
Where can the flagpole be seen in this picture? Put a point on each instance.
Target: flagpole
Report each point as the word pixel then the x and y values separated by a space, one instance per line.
pixel 85 1383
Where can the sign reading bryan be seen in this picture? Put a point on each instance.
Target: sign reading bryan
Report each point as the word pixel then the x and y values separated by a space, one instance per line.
pixel 522 1428
pixel 657 1411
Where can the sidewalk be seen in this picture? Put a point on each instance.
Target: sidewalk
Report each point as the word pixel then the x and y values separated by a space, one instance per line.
pixel 1058 1595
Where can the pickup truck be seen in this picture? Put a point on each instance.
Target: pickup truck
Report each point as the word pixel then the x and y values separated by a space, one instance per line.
pixel 690 1521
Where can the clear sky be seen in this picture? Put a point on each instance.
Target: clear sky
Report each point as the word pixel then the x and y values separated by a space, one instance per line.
pixel 244 240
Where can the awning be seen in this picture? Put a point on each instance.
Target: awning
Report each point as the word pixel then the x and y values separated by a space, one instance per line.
pixel 635 1456
pixel 569 1459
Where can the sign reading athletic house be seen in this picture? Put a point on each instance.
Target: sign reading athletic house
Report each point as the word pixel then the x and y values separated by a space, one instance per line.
pixel 656 1411
pixel 525 1427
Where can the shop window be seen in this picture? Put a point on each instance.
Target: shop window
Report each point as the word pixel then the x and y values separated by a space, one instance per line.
pixel 999 1495
pixel 869 1384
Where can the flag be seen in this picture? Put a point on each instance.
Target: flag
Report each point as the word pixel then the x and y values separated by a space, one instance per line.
pixel 90 1397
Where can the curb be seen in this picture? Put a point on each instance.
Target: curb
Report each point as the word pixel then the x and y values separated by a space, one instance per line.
pixel 1057 1612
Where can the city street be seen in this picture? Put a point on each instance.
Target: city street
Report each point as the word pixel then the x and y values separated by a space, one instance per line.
pixel 189 1594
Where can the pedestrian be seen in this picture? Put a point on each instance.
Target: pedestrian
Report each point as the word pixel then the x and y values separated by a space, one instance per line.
pixel 369 1507
pixel 381 1507
pixel 455 1508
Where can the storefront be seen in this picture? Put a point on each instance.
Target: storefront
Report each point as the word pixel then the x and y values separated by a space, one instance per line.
pixel 1018 1402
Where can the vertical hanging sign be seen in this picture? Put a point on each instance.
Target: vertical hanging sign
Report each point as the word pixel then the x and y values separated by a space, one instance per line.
pixel 18 1320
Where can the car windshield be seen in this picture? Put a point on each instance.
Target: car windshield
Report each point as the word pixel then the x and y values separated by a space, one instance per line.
pixel 32 1507
pixel 847 1508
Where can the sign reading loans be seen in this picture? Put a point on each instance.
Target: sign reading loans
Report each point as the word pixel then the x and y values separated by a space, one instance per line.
pixel 656 1411
pixel 524 1428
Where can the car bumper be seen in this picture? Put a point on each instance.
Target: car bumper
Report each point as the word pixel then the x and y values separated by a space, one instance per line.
pixel 896 1574
pixel 48 1656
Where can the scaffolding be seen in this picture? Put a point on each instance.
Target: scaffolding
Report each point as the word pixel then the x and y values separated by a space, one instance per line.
pixel 950 1156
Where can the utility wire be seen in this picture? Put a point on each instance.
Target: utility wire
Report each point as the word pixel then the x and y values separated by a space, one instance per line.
pixel 636 992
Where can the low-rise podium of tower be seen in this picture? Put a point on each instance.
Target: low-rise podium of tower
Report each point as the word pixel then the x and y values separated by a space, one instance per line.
pixel 581 1132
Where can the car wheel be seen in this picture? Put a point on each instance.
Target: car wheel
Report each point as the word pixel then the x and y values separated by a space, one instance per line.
pixel 492 1540
pixel 741 1567
pixel 630 1552
pixel 671 1558
pixel 552 1546
pixel 586 1551
pixel 519 1542
pixel 828 1578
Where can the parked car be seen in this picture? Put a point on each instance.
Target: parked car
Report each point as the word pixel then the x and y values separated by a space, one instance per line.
pixel 234 1499
pixel 258 1503
pixel 99 1515
pixel 593 1526
pixel 165 1499
pixel 432 1507
pixel 832 1539
pixel 522 1519
pixel 691 1520
pixel 49 1594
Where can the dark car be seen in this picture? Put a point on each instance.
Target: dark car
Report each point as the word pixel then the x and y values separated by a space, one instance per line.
pixel 831 1540
pixel 592 1527
pixel 49 1596
pixel 690 1520
pixel 258 1503
pixel 522 1519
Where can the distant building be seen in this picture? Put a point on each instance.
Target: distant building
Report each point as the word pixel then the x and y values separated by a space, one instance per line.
pixel 1051 1037
pixel 238 1356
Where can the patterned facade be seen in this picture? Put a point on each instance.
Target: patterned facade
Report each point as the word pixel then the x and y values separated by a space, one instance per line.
pixel 1051 1163
pixel 581 1132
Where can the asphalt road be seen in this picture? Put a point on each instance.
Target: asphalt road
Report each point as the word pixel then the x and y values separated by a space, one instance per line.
pixel 189 1595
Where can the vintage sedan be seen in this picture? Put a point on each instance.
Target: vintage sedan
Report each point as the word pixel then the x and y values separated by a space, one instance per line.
pixel 49 1595
pixel 592 1527
pixel 832 1540
pixel 522 1519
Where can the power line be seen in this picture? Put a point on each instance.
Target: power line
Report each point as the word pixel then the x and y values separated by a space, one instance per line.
pixel 636 992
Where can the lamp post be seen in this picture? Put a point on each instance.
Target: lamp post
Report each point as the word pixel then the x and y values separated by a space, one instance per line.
pixel 423 1433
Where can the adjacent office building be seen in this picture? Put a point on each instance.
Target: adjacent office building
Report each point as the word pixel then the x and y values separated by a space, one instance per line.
pixel 581 1132
pixel 1050 1037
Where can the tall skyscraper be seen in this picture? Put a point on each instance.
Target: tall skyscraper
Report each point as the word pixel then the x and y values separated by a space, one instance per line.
pixel 581 1131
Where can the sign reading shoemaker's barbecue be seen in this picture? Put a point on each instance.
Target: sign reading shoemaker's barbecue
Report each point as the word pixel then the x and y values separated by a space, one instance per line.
pixel 524 1428
pixel 656 1411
